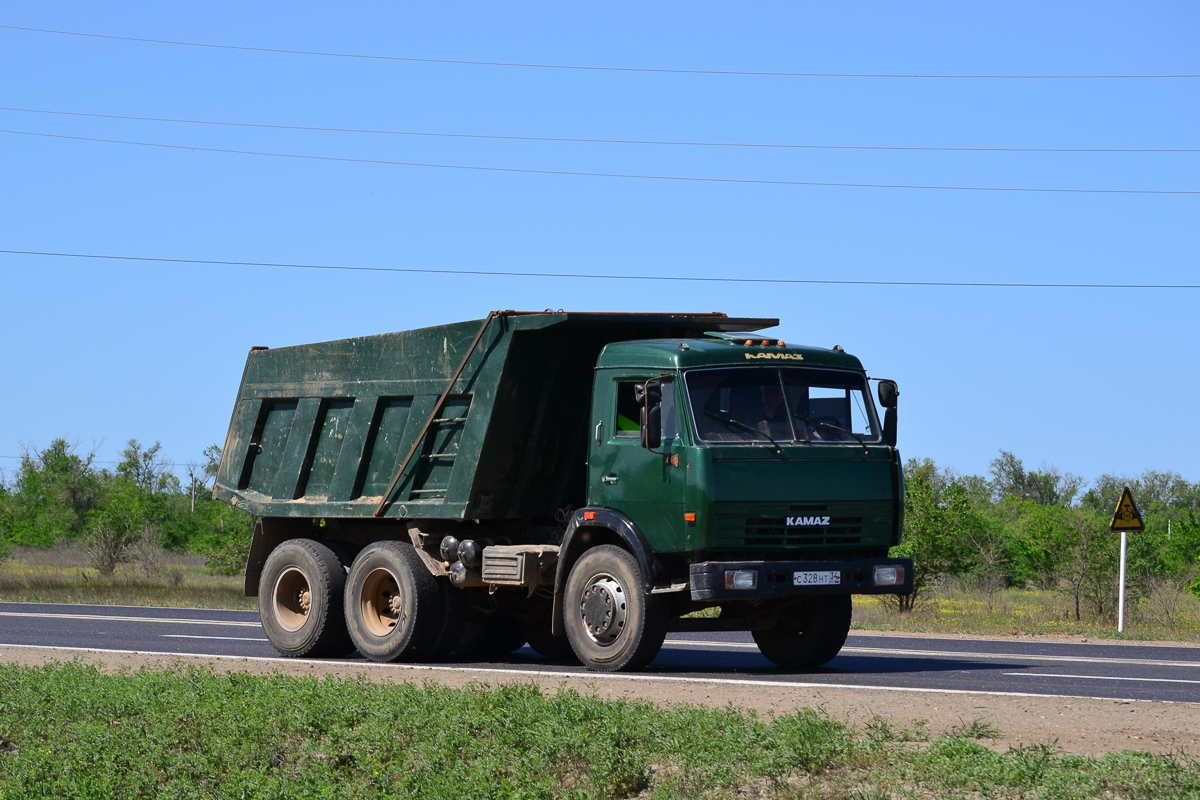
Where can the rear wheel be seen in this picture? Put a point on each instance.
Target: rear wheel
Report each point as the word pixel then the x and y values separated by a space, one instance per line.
pixel 611 622
pixel 394 607
pixel 536 630
pixel 490 637
pixel 453 620
pixel 809 634
pixel 300 600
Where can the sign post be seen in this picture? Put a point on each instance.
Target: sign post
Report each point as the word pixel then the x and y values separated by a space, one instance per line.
pixel 1125 519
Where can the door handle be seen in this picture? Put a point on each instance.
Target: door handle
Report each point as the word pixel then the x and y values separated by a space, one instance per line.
pixel 599 425
pixel 609 479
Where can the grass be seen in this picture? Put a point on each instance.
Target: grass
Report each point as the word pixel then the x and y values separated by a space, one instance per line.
pixel 1030 612
pixel 64 575
pixel 72 731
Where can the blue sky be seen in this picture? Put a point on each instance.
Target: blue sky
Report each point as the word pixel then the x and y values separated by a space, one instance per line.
pixel 1091 381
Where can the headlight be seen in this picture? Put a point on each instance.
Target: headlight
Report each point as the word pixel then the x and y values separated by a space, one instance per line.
pixel 889 576
pixel 741 579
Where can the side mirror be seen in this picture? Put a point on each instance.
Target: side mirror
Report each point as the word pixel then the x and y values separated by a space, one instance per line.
pixel 888 392
pixel 649 396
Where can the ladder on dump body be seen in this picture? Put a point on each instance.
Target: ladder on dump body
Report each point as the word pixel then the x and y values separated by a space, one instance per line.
pixel 434 419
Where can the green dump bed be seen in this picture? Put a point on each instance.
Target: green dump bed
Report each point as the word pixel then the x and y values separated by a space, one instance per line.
pixel 321 430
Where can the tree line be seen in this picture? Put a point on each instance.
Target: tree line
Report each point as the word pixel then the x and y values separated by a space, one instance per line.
pixel 141 507
pixel 1043 529
pixel 1013 528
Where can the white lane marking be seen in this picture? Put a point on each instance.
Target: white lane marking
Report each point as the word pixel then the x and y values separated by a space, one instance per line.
pixel 114 618
pixel 1021 656
pixel 140 608
pixel 1097 677
pixel 592 676
pixel 673 642
pixel 859 632
pixel 889 651
pixel 222 638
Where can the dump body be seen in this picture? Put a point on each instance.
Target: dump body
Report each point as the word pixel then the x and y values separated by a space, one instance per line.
pixel 319 431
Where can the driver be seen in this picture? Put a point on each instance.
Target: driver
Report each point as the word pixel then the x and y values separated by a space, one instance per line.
pixel 771 417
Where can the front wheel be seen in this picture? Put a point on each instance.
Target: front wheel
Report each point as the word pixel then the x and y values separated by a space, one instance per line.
pixel 808 634
pixel 611 622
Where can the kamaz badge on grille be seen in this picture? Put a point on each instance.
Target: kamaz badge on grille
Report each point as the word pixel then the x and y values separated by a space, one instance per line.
pixel 795 522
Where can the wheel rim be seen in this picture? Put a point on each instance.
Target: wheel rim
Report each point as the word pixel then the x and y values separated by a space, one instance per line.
pixel 293 599
pixel 380 602
pixel 603 609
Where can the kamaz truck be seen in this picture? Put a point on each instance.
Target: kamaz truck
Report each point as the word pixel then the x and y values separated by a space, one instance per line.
pixel 581 482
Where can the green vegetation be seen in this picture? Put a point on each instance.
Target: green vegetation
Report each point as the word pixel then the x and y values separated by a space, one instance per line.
pixel 135 513
pixel 64 574
pixel 955 608
pixel 1020 538
pixel 71 731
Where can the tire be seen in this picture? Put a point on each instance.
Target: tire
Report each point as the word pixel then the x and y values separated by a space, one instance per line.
pixel 490 638
pixel 300 600
pixel 611 623
pixel 394 607
pixel 454 620
pixel 344 551
pixel 809 635
pixel 536 630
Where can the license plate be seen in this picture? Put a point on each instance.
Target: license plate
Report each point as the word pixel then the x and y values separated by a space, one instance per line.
pixel 820 578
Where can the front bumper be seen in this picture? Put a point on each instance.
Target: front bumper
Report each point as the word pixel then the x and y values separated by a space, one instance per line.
pixel 777 578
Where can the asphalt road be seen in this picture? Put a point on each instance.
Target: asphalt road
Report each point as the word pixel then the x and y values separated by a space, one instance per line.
pixel 1117 671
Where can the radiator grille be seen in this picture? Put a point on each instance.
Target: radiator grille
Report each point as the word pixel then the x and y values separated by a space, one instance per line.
pixel 761 525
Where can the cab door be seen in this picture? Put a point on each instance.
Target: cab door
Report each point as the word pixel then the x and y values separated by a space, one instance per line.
pixel 622 475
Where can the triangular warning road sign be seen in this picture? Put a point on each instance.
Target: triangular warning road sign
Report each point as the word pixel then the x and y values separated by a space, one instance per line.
pixel 1126 517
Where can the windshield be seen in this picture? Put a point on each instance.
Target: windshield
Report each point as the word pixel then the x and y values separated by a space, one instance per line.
pixel 781 404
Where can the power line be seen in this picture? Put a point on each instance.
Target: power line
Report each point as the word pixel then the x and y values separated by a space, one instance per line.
pixel 597 276
pixel 610 141
pixel 33 457
pixel 580 67
pixel 576 173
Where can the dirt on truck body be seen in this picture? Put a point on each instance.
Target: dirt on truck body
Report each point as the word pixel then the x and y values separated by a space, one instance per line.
pixel 582 482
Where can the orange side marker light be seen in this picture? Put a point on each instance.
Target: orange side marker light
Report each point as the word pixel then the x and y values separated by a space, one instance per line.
pixel 690 516
pixel 589 515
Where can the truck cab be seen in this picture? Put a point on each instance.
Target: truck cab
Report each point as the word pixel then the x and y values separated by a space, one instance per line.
pixel 756 473
pixel 758 444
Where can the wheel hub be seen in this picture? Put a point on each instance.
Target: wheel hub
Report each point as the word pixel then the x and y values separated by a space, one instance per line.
pixel 292 599
pixel 603 609
pixel 380 602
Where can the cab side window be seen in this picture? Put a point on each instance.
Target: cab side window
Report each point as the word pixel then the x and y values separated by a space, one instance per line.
pixel 629 416
pixel 628 412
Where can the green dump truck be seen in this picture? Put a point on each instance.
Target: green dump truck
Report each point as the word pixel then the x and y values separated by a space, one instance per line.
pixel 583 482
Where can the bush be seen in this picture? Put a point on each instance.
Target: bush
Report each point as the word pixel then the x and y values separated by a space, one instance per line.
pixel 136 512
